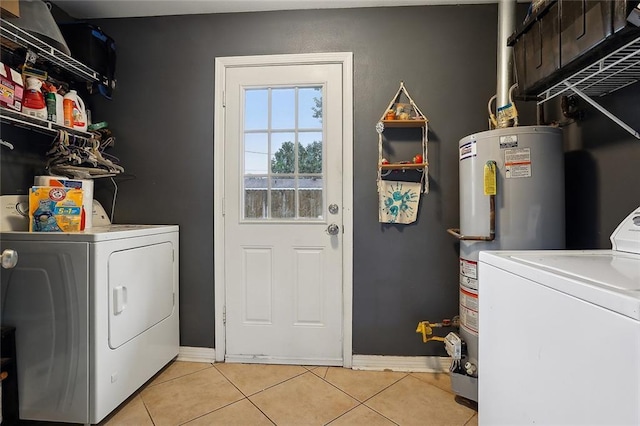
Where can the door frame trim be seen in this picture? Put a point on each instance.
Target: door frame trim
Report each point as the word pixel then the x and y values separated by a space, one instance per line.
pixel 221 65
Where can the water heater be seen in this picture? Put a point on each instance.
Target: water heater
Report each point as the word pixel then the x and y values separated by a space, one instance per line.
pixel 511 198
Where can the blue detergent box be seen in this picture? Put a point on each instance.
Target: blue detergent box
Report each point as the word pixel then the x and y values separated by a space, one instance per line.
pixel 55 209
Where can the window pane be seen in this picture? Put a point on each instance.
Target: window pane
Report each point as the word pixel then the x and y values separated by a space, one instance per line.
pixel 310 108
pixel 283 198
pixel 283 153
pixel 283 108
pixel 255 197
pixel 256 154
pixel 256 109
pixel 310 197
pixel 310 152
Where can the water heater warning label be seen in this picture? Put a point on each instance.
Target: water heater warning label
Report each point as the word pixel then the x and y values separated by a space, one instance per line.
pixel 469 274
pixel 469 295
pixel 469 310
pixel 517 163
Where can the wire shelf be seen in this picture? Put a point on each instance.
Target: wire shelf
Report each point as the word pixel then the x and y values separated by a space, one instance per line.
pixel 43 126
pixel 613 72
pixel 22 38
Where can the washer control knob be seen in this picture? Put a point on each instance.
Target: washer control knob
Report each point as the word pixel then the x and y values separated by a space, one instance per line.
pixel 9 259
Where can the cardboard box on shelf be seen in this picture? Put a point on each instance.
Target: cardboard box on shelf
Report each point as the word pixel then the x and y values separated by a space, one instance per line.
pixel 10 8
pixel 11 88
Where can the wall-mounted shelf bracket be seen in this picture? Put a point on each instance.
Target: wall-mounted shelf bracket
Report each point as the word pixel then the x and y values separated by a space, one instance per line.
pixel 606 112
pixel 616 70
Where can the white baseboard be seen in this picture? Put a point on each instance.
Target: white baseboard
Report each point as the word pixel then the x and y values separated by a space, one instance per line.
pixel 187 353
pixel 418 364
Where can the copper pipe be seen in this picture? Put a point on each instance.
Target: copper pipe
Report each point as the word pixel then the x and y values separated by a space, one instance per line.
pixel 492 225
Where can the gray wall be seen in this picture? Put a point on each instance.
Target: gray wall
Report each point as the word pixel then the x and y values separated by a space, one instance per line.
pixel 602 169
pixel 162 115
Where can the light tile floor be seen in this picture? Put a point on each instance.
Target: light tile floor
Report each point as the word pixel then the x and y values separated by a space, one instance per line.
pixel 251 394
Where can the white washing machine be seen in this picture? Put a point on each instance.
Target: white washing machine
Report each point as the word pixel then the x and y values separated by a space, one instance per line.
pixel 96 313
pixel 560 339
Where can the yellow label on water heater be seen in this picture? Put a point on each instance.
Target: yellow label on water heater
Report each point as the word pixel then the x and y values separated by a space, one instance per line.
pixel 490 178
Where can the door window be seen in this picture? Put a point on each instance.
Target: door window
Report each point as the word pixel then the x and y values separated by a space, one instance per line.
pixel 283 148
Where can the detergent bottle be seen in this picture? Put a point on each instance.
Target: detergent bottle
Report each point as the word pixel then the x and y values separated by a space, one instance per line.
pixel 75 115
pixel 33 103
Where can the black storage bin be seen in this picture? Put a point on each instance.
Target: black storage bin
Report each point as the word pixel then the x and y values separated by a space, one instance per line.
pixel 583 25
pixel 591 30
pixel 563 36
pixel 542 48
pixel 91 46
pixel 536 48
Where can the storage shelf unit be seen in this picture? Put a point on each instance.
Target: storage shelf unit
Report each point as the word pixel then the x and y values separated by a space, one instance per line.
pixel 404 123
pixel 417 120
pixel 616 70
pixel 43 126
pixel 68 69
pixel 13 37
pixel 403 166
pixel 10 32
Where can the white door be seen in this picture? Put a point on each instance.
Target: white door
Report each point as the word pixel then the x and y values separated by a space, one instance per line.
pixel 283 214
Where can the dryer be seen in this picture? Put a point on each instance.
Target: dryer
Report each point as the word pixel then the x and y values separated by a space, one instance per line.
pixel 560 341
pixel 96 313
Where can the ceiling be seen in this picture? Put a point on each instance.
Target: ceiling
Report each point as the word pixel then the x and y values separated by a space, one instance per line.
pixel 88 9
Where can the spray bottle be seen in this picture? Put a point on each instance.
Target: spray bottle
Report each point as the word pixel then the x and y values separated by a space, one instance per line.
pixel 33 103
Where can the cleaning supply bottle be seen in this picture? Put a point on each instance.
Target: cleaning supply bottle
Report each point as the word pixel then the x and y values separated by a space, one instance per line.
pixel 75 115
pixel 59 109
pixel 33 102
pixel 54 100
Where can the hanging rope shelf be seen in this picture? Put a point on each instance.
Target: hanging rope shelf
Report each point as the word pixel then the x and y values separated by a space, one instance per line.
pixel 407 115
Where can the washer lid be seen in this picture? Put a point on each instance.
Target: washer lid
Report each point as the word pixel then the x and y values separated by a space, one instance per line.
pixel 606 278
pixel 619 271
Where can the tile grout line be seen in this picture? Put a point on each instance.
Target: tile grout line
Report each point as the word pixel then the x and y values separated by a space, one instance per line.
pixel 360 402
pixel 470 418
pixel 247 397
pixel 144 404
pixel 307 370
pixel 189 374
pixel 360 405
pixel 150 385
pixel 407 375
pixel 268 387
pixel 259 409
pixel 378 393
pixel 219 408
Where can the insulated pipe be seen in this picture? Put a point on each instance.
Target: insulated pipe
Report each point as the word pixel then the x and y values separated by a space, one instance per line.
pixel 506 27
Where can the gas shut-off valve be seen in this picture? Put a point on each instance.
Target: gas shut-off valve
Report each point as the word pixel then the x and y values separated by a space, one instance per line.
pixel 426 329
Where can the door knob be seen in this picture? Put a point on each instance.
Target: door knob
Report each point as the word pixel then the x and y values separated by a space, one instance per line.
pixel 333 229
pixel 9 258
